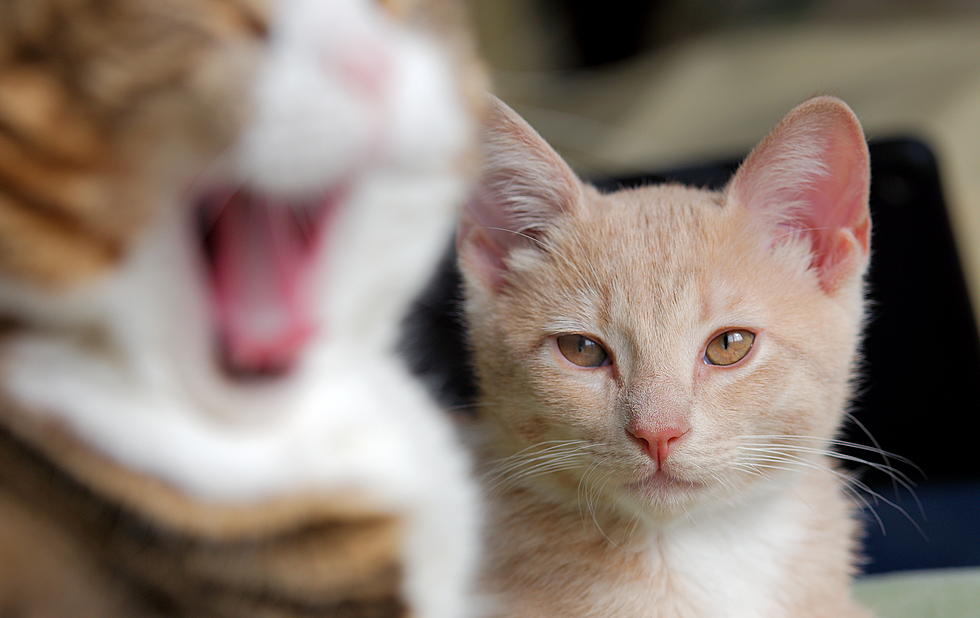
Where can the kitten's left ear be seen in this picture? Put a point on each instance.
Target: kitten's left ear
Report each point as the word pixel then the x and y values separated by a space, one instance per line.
pixel 525 185
pixel 810 177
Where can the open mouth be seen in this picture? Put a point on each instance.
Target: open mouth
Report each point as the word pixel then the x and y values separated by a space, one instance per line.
pixel 260 256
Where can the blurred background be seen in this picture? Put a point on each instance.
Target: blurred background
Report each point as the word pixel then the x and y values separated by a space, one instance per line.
pixel 631 91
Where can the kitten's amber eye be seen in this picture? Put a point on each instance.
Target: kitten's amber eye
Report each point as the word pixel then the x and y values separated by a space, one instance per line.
pixel 582 351
pixel 729 347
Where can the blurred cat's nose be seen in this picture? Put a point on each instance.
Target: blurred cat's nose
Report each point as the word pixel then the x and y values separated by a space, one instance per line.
pixel 658 442
pixel 366 67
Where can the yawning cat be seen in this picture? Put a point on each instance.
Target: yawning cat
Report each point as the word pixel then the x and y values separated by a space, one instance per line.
pixel 660 371
pixel 213 215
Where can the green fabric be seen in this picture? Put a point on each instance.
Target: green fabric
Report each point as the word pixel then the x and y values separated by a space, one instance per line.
pixel 942 593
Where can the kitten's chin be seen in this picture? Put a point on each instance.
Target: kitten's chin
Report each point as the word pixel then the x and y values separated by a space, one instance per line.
pixel 665 492
pixel 664 483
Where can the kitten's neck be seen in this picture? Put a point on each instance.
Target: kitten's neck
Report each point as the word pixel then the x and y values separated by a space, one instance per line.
pixel 692 565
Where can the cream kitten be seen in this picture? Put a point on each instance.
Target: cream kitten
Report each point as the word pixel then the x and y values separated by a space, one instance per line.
pixel 660 369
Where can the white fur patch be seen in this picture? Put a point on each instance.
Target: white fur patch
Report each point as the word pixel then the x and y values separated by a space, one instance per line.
pixel 729 563
pixel 343 89
pixel 363 425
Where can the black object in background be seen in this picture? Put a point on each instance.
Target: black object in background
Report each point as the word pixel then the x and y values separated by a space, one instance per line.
pixel 433 340
pixel 602 33
pixel 917 395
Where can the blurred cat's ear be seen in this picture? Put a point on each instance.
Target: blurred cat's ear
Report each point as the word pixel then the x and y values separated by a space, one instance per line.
pixel 524 184
pixel 810 178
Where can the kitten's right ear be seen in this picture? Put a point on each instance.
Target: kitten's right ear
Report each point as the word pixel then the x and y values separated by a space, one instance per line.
pixel 524 184
pixel 810 178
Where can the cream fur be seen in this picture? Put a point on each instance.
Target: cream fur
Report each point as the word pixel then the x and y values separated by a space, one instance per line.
pixel 653 274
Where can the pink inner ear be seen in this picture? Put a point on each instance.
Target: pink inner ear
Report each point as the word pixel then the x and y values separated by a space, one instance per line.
pixel 811 175
pixel 837 209
pixel 482 250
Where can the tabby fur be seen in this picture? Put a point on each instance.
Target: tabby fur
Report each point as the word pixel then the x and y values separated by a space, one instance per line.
pixel 111 111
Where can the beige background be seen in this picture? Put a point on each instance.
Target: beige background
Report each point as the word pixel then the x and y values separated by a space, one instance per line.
pixel 715 94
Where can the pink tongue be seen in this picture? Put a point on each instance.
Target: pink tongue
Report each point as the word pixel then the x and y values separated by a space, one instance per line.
pixel 261 259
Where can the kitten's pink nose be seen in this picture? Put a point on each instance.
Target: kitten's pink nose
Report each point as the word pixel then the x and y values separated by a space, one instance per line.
pixel 658 441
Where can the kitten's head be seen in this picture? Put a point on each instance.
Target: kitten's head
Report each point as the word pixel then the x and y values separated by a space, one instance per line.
pixel 651 341
pixel 223 188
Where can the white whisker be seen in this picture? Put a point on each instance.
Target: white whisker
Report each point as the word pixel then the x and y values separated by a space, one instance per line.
pixel 544 246
pixel 885 456
pixel 850 490
pixel 533 461
pixel 775 456
pixel 836 442
pixel 592 502
pixel 897 476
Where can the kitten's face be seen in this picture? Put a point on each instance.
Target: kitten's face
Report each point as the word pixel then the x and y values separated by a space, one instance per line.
pixel 222 188
pixel 706 322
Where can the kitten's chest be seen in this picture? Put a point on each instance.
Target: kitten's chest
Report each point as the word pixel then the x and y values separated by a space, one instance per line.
pixel 735 567
pixel 714 571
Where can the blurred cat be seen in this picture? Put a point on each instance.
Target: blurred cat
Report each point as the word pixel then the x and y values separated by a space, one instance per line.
pixel 213 214
pixel 661 371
